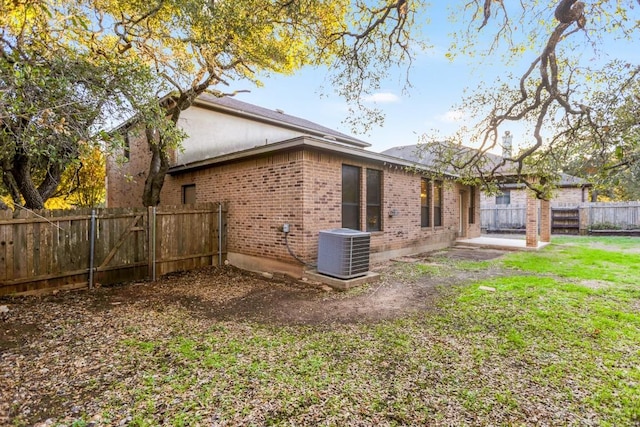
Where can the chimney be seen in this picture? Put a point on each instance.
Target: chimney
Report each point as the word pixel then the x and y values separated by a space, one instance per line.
pixel 507 141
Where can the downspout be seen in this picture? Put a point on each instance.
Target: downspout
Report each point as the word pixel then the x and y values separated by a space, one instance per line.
pixel 220 234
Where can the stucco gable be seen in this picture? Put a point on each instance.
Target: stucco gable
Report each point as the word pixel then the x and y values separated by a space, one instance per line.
pixel 221 126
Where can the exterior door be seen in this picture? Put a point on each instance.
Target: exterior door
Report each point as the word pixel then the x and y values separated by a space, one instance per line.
pixel 462 209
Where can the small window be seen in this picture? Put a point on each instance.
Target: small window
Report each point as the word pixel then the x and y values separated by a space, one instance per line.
pixel 188 194
pixel 351 197
pixel 437 203
pixel 425 202
pixel 504 198
pixel 127 146
pixel 472 205
pixel 374 200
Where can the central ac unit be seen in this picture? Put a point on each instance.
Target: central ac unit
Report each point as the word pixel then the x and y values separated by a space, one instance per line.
pixel 343 253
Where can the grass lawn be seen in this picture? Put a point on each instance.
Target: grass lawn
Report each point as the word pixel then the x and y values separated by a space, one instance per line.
pixel 556 343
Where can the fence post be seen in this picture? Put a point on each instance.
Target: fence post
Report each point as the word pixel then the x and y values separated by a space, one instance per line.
pixel 151 233
pixel 220 234
pixel 92 247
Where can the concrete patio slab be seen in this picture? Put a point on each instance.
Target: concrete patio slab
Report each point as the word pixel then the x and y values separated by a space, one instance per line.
pixel 342 284
pixel 499 243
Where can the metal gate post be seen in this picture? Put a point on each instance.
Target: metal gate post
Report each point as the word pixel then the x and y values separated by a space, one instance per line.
pixel 92 247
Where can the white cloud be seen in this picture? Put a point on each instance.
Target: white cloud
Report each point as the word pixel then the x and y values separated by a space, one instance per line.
pixel 451 116
pixel 382 98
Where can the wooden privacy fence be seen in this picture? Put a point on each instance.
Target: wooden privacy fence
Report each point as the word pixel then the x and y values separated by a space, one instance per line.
pixel 585 217
pixel 503 218
pixel 614 216
pixel 46 250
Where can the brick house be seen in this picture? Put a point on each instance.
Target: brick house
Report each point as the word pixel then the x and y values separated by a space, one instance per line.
pixel 536 218
pixel 571 190
pixel 274 169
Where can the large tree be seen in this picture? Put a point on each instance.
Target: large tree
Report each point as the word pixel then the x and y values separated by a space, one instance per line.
pixel 56 98
pixel 614 164
pixel 203 45
pixel 194 46
pixel 572 96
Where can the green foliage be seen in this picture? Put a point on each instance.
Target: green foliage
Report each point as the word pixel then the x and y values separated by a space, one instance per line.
pixel 56 97
pixel 605 226
pixel 124 55
pixel 193 46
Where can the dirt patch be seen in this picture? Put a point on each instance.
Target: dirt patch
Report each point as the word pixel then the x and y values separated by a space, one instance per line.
pixel 229 293
pixel 594 284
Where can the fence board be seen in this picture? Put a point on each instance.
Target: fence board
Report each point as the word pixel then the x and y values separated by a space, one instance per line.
pixel 185 249
pixel 51 249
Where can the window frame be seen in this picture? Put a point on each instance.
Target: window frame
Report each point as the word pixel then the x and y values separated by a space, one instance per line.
pixel 472 205
pixel 504 196
pixel 350 205
pixel 374 206
pixel 425 202
pixel 126 148
pixel 186 187
pixel 438 203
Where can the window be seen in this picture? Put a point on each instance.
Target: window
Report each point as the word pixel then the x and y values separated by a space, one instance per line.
pixel 351 197
pixel 472 205
pixel 127 146
pixel 425 203
pixel 188 194
pixel 437 203
pixel 504 198
pixel 374 199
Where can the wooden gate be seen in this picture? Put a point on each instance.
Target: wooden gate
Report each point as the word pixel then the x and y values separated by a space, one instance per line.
pixel 565 221
pixel 48 250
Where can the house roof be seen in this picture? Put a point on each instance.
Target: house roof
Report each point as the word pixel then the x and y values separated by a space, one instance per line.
pixel 411 154
pixel 239 108
pixel 427 158
pixel 310 142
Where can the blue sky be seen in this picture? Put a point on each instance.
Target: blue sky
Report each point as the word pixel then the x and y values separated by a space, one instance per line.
pixel 438 85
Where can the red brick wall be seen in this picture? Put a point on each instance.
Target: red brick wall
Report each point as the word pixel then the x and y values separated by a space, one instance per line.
pixel 125 178
pixel 262 194
pixel 304 189
pixel 565 195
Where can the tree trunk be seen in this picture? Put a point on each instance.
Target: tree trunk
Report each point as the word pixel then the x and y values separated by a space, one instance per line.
pixel 11 185
pixel 158 168
pixel 22 175
pixel 159 157
pixel 49 184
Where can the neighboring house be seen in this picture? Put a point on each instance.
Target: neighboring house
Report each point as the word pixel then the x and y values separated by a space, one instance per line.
pixel 571 190
pixel 274 169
